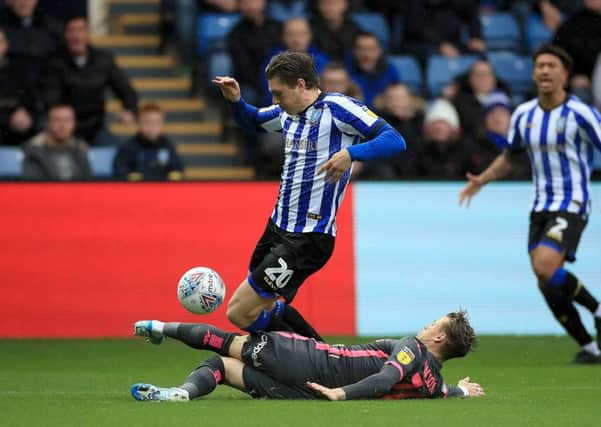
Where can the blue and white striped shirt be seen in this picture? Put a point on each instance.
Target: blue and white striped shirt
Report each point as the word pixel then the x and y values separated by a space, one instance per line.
pixel 306 202
pixel 560 144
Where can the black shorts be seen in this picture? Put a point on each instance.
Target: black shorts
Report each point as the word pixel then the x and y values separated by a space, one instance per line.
pixel 278 368
pixel 558 230
pixel 282 260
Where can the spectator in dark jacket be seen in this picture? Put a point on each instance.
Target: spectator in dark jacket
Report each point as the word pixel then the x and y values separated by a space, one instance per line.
pixel 400 110
pixel 471 91
pixel 81 75
pixel 250 43
pixel 580 36
pixel 370 69
pixel 33 37
pixel 17 99
pixel 444 153
pixel 334 32
pixel 149 155
pixel 436 27
pixel 56 155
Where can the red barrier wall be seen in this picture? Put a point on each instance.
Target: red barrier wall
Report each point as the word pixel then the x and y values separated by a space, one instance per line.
pixel 87 260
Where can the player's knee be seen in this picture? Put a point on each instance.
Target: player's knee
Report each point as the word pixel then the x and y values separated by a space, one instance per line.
pixel 544 268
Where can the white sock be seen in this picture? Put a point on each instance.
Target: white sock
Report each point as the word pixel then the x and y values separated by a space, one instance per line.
pixel 592 348
pixel 598 312
pixel 158 326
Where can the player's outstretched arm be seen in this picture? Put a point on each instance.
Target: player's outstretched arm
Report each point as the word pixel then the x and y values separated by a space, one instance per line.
pixel 230 89
pixel 499 168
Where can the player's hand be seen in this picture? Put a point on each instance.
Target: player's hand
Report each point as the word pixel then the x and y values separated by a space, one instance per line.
pixel 474 185
pixel 474 389
pixel 336 167
pixel 229 88
pixel 330 393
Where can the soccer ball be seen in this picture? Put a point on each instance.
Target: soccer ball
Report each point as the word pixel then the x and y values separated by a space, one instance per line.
pixel 201 290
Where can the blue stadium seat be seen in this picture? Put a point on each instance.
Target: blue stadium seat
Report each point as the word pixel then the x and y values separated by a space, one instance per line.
pixel 213 29
pixel 516 70
pixel 409 71
pixel 374 23
pixel 536 33
pixel 101 161
pixel 440 71
pixel 220 64
pixel 11 160
pixel 500 31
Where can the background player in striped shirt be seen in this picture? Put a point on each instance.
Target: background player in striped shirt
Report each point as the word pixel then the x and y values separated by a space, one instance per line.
pixel 559 132
pixel 283 365
pixel 322 134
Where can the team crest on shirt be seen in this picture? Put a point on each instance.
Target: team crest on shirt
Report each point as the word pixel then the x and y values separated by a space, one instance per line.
pixel 560 126
pixel 315 116
pixel 405 356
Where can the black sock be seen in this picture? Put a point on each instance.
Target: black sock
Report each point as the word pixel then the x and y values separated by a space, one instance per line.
pixel 200 336
pixel 203 380
pixel 299 324
pixel 585 299
pixel 565 312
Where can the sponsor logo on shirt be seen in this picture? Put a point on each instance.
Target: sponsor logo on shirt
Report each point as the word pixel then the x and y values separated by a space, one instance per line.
pixel 405 356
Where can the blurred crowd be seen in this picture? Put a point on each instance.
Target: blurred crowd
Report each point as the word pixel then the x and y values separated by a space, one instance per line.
pixel 53 80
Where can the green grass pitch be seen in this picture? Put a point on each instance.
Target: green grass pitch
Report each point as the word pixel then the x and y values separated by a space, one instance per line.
pixel 86 383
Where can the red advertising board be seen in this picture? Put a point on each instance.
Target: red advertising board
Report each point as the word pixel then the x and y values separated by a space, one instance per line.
pixel 87 260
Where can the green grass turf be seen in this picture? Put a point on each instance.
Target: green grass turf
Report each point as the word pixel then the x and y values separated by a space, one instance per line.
pixel 86 383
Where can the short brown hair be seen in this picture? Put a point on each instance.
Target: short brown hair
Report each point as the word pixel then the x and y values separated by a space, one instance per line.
pixel 150 107
pixel 461 337
pixel 290 66
pixel 564 57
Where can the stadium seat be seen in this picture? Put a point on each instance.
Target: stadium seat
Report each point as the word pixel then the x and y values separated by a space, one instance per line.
pixel 536 33
pixel 500 31
pixel 11 159
pixel 220 64
pixel 409 71
pixel 374 23
pixel 440 71
pixel 101 161
pixel 516 70
pixel 213 29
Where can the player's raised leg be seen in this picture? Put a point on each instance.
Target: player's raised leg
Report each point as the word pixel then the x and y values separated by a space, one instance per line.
pixel 200 336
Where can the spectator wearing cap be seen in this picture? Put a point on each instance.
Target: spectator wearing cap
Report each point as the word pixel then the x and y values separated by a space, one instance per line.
pixel 444 153
pixel 149 155
pixel 497 117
